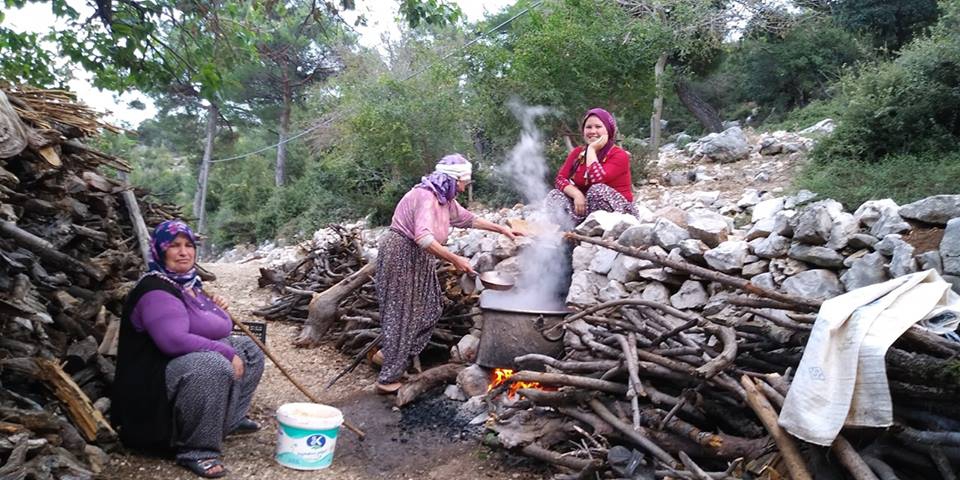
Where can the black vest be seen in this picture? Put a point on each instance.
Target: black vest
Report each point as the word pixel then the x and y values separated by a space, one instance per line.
pixel 139 407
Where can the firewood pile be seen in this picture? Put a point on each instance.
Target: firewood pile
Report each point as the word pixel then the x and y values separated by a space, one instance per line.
pixel 68 255
pixel 648 390
pixel 331 291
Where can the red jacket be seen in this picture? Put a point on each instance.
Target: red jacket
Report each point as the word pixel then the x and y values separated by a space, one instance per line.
pixel 613 170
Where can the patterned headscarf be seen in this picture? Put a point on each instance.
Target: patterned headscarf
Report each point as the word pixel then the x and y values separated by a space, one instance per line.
pixel 163 236
pixel 443 181
pixel 608 122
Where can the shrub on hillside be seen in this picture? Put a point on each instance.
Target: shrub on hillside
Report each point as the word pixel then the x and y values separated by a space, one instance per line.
pixel 910 105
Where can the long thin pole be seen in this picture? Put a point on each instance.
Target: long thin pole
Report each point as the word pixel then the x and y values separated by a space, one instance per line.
pixel 246 331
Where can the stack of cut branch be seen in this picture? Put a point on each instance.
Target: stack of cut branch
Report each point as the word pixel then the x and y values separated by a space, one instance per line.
pixel 332 292
pixel 68 254
pixel 649 391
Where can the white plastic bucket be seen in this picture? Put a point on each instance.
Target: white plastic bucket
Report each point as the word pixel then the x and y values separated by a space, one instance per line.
pixel 307 435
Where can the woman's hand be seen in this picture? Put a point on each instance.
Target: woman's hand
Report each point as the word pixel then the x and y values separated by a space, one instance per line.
pixel 462 264
pixel 579 204
pixel 220 302
pixel 599 143
pixel 510 233
pixel 237 367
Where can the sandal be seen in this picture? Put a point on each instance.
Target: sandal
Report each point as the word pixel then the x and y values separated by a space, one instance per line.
pixel 245 426
pixel 388 388
pixel 202 467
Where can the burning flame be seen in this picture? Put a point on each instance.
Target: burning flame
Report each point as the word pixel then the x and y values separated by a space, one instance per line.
pixel 501 375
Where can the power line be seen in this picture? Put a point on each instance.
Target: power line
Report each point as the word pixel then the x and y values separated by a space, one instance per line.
pixel 418 72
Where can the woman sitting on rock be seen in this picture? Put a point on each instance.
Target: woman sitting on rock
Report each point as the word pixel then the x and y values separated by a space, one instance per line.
pixel 595 176
pixel 407 287
pixel 182 381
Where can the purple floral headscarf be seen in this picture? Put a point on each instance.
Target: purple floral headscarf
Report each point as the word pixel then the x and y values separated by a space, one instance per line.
pixel 608 122
pixel 442 181
pixel 163 236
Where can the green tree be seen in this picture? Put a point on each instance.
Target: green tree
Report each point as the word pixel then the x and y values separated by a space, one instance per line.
pixel 892 24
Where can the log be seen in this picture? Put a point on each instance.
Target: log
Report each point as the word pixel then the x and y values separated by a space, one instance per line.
pixel 637 437
pixel 324 307
pixel 13 133
pixel 571 380
pixel 91 423
pixel 768 416
pixel 46 251
pixel 425 381
pixel 136 218
pixel 851 460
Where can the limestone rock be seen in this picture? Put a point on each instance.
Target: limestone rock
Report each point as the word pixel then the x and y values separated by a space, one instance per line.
pixel 711 228
pixel 656 292
pixel 930 260
pixel 773 246
pixel 798 199
pixel 819 256
pixel 867 270
pixel 726 147
pixel 601 221
pixel 693 250
pixel 584 287
pixel 691 295
pixel 938 209
pixel 950 248
pixel 625 268
pixel 668 235
pixel 902 262
pixel 818 284
pixel 761 229
pixel 764 280
pixel 614 290
pixel 753 269
pixel 674 214
pixel 813 225
pixel 766 209
pixel 749 198
pixel 603 260
pixel 638 237
pixel 862 240
pixel 582 256
pixel 870 212
pixel 844 227
pixel 728 256
pixel 819 129
pixel 781 268
pixel 889 244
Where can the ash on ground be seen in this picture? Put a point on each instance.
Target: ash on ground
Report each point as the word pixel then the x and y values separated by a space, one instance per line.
pixel 437 414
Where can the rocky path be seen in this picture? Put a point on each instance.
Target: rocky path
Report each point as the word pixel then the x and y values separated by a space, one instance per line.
pixel 416 442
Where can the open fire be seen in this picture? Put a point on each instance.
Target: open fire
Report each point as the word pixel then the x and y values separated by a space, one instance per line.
pixel 501 375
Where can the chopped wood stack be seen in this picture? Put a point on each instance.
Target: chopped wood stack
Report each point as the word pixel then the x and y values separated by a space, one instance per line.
pixel 68 255
pixel 332 292
pixel 649 391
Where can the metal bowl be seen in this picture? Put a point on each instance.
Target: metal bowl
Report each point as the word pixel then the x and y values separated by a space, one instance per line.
pixel 496 281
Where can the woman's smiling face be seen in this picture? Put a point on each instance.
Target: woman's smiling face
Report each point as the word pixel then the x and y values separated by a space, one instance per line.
pixel 593 129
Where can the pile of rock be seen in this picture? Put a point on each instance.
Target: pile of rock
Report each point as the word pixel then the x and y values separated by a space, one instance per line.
pixel 812 249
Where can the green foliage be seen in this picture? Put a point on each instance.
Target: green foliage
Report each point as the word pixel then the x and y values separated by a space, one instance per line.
pixel 904 178
pixel 817 110
pixel 569 55
pixel 891 24
pixel 910 105
pixel 431 12
pixel 783 73
pixel 22 60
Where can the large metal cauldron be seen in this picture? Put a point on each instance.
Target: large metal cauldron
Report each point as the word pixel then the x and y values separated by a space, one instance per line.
pixel 509 332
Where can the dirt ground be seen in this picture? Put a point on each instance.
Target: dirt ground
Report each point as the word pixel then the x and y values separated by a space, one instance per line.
pixel 395 447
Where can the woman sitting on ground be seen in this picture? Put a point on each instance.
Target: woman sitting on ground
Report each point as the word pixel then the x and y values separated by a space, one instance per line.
pixel 595 176
pixel 182 381
pixel 407 287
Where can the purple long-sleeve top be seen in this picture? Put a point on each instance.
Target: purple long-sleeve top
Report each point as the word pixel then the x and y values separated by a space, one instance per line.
pixel 180 327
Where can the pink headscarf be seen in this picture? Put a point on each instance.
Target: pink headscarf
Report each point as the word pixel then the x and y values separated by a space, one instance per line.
pixel 608 122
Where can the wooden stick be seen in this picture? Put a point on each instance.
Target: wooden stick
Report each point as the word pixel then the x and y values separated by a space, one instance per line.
pixel 852 460
pixel 136 219
pixel 785 443
pixel 600 409
pixel 246 331
pixel 88 419
pixel 356 360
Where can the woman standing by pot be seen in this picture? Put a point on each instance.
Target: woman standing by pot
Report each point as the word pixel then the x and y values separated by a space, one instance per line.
pixel 407 286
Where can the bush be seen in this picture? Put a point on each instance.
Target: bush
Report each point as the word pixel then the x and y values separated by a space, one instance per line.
pixel 904 178
pixel 908 106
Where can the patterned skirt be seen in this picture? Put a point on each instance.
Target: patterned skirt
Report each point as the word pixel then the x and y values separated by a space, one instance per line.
pixel 599 197
pixel 410 302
